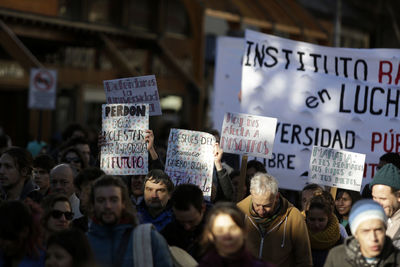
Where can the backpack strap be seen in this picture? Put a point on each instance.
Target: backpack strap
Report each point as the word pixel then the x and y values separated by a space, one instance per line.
pixel 142 251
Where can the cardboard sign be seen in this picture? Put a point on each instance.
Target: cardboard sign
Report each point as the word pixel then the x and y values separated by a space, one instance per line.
pixel 246 134
pixel 42 89
pixel 340 98
pixel 134 90
pixel 336 168
pixel 125 151
pixel 190 158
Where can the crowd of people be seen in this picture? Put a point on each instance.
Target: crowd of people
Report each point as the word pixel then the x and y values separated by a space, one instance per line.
pixel 57 208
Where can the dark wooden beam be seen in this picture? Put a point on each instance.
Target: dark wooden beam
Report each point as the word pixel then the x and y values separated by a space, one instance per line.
pixel 13 45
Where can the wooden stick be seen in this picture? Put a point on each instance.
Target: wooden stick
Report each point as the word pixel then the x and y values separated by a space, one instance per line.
pixel 333 192
pixel 242 179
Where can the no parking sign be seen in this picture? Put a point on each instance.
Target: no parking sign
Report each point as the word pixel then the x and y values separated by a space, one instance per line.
pixel 42 89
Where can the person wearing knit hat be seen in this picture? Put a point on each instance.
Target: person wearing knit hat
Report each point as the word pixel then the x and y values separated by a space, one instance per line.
pixel 386 191
pixel 369 246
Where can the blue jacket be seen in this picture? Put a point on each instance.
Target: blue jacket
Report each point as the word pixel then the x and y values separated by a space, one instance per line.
pixel 160 221
pixel 28 261
pixel 105 241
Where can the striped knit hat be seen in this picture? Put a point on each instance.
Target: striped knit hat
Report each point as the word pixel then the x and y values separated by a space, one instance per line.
pixel 364 210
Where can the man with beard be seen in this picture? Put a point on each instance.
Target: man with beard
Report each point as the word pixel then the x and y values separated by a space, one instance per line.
pixel 155 208
pixel 110 234
pixel 15 175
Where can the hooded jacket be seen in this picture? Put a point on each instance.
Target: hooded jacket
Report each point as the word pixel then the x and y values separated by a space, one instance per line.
pixel 349 254
pixel 285 242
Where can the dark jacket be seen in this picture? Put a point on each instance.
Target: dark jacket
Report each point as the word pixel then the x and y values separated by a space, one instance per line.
pixel 349 254
pixel 160 221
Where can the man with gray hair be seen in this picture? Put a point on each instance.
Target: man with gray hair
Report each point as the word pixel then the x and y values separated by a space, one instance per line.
pixel 277 230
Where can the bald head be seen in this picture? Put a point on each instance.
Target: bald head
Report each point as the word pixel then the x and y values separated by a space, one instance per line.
pixel 62 180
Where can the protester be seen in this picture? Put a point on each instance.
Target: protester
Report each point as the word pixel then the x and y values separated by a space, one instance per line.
pixel 253 166
pixel 20 242
pixel 42 165
pixel 156 208
pixel 57 214
pixel 15 175
pixel 235 179
pixel 277 230
pixel 74 158
pixel 310 191
pixel 62 181
pixel 390 157
pixel 135 185
pixel 110 234
pixel 189 210
pixel 83 184
pixel 224 238
pixel 343 203
pixel 69 248
pixel 386 191
pixel 368 246
pixel 224 190
pixel 307 193
pixel 323 227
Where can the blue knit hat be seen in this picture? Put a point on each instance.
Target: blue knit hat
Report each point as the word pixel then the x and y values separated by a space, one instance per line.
pixel 364 210
pixel 387 175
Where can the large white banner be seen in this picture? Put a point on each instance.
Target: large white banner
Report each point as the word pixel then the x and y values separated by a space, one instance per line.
pixel 340 98
pixel 227 78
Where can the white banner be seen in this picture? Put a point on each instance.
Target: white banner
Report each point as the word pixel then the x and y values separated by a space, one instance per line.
pixel 190 158
pixel 329 97
pixel 336 168
pixel 246 134
pixel 135 90
pixel 125 150
pixel 227 78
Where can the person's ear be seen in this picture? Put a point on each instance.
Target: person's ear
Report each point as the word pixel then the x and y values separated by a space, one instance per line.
pixel 210 237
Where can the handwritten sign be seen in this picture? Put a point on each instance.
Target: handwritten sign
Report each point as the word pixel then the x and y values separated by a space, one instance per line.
pixel 125 151
pixel 134 90
pixel 190 158
pixel 247 134
pixel 337 168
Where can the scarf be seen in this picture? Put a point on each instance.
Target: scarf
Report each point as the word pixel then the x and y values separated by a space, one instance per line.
pixel 263 223
pixel 327 238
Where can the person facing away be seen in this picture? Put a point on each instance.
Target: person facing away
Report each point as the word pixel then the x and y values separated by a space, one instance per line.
pixel 189 210
pixel 156 208
pixel 112 232
pixel 386 191
pixel 369 246
pixel 277 230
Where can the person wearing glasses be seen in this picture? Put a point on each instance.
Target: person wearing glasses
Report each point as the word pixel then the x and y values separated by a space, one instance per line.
pixel 57 214
pixel 74 158
pixel 62 182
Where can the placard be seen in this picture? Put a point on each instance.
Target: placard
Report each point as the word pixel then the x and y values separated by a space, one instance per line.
pixel 190 158
pixel 246 134
pixel 42 89
pixel 134 90
pixel 340 98
pixel 337 168
pixel 125 150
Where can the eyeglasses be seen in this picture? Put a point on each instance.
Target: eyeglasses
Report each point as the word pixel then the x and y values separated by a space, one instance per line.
pixel 56 214
pixel 70 160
